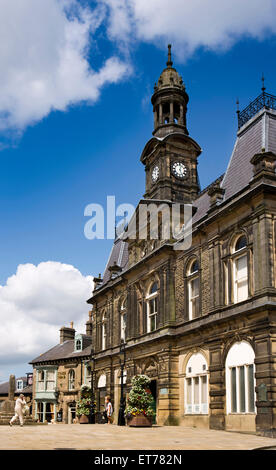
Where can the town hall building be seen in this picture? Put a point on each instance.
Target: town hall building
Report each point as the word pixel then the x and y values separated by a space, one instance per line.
pixel 199 321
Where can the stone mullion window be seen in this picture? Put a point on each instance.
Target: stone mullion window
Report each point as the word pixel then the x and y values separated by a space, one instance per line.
pixel 144 307
pixel 152 308
pixel 249 272
pixel 193 283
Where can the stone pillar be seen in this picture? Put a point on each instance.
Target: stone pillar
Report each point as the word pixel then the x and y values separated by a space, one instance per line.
pixel 160 114
pixel 168 389
pixel 263 256
pixel 155 119
pixel 11 387
pixel 216 387
pixel 181 120
pixel 169 304
pixel 265 364
pixel 171 112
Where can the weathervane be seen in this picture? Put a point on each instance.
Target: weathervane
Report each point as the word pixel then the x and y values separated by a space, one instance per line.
pixel 169 63
pixel 263 87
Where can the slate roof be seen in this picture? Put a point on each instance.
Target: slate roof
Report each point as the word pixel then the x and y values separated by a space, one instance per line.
pixel 256 134
pixel 119 254
pixel 4 387
pixel 65 351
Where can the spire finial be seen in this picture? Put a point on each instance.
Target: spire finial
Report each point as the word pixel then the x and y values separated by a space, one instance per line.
pixel 169 63
pixel 238 105
pixel 263 81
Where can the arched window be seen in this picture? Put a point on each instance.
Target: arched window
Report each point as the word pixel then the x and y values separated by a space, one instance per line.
pixel 193 289
pixel 104 331
pixel 196 385
pixel 78 345
pixel 152 308
pixel 71 380
pixel 123 320
pixel 87 375
pixel 240 270
pixel 240 379
pixel 102 381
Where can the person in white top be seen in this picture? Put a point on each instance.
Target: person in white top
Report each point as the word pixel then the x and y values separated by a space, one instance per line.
pixel 19 405
pixel 108 409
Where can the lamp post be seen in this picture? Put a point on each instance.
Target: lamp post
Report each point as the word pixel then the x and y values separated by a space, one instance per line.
pixel 56 393
pixel 91 365
pixel 122 356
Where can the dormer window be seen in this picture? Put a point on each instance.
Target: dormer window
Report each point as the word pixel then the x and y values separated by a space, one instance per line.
pixel 19 384
pixel 78 343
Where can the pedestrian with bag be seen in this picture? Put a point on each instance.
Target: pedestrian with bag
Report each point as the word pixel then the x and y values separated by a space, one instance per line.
pixel 19 406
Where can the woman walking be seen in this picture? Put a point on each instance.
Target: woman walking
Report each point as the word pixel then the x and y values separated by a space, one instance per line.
pixel 19 404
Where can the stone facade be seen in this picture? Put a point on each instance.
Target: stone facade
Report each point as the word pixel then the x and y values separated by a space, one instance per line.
pixel 199 320
pixel 233 258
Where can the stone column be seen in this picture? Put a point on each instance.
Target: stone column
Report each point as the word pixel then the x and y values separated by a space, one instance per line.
pixel 181 120
pixel 265 373
pixel 160 114
pixel 11 387
pixel 169 301
pixel 171 112
pixel 168 389
pixel 216 387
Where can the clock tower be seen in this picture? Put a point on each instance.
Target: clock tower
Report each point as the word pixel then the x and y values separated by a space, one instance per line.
pixel 170 157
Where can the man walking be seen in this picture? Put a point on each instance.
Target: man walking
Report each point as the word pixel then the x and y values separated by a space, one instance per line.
pixel 19 404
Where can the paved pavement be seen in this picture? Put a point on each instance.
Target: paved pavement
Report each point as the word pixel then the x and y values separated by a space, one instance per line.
pixel 110 437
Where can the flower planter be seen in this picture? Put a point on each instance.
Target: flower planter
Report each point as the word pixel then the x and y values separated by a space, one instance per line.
pixel 140 421
pixel 84 419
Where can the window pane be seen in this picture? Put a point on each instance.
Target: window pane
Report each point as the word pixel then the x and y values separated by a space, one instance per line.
pixel 152 323
pixel 241 243
pixel 189 391
pixel 241 278
pixel 242 390
pixel 196 391
pixel 50 375
pixel 251 394
pixel 242 291
pixel 154 288
pixel 204 389
pixel 233 390
pixel 195 287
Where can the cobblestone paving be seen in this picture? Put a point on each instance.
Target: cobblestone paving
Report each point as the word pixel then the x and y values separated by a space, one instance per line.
pixel 104 437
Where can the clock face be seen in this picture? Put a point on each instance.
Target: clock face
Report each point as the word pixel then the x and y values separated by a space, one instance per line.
pixel 179 169
pixel 155 174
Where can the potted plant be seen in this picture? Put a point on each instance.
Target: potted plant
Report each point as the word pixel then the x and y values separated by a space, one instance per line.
pixel 139 410
pixel 83 408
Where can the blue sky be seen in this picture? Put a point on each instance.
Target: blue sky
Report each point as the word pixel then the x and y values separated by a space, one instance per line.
pixel 54 163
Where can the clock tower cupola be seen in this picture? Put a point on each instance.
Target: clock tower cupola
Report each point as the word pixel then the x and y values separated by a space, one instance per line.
pixel 169 102
pixel 170 157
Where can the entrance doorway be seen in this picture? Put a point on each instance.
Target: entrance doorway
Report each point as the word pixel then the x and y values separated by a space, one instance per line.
pixel 153 389
pixel 71 412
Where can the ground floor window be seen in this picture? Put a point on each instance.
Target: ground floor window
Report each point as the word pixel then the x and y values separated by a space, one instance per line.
pixel 45 411
pixel 240 379
pixel 196 385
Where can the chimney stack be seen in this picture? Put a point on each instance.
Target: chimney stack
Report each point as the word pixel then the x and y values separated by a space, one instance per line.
pixel 67 333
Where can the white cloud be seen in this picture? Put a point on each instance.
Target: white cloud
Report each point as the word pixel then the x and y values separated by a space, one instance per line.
pixel 45 45
pixel 213 24
pixel 34 304
pixel 44 48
